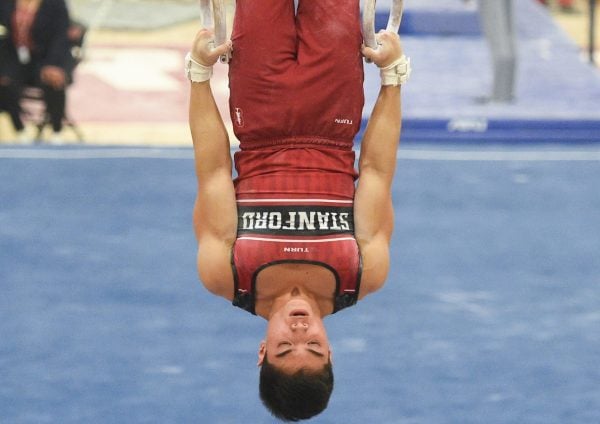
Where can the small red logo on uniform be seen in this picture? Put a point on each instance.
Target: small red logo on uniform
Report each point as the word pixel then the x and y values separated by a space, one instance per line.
pixel 239 117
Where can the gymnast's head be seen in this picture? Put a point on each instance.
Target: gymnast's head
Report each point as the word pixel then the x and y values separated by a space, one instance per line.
pixel 296 376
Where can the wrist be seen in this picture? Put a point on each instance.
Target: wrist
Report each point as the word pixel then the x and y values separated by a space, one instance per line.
pixel 396 73
pixel 195 71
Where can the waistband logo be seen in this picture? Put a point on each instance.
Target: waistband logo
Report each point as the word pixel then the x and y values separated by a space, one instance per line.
pixel 295 220
pixel 287 249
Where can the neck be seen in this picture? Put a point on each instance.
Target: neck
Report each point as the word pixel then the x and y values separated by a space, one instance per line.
pixel 279 283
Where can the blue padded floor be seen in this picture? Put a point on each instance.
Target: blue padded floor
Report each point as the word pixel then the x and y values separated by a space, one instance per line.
pixel 558 92
pixel 490 314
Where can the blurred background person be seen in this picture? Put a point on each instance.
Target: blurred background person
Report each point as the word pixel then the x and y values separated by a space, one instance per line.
pixel 35 51
pixel 497 23
pixel 565 5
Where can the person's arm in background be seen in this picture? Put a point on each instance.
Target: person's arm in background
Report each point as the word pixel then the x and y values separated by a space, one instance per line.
pixel 373 209
pixel 215 211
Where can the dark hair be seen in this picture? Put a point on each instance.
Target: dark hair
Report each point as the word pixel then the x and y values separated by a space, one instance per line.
pixel 297 396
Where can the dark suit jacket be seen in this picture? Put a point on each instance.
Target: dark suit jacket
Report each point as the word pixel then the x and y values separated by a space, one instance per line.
pixel 49 33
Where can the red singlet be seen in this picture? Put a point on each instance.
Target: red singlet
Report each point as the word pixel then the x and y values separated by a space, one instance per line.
pixel 296 104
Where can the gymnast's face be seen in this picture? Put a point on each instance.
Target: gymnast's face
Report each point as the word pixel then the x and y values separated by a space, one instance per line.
pixel 296 338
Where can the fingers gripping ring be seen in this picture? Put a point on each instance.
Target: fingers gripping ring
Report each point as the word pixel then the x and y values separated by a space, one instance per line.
pixel 368 20
pixel 214 14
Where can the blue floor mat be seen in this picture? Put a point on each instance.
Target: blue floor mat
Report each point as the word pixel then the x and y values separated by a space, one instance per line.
pixel 490 313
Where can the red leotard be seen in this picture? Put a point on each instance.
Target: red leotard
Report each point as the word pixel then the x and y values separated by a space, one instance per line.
pixel 296 104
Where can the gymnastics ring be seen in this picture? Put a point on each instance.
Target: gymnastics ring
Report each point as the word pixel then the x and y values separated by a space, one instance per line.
pixel 368 21
pixel 214 15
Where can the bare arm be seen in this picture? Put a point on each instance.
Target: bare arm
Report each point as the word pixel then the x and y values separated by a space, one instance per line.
pixel 373 209
pixel 215 213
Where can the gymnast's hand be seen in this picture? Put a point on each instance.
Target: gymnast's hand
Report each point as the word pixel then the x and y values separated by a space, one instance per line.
pixel 388 50
pixel 204 51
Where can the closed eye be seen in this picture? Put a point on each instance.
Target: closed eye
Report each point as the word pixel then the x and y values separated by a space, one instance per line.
pixel 316 353
pixel 310 349
pixel 282 354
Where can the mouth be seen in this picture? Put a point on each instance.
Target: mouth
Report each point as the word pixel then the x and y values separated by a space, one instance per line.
pixel 299 313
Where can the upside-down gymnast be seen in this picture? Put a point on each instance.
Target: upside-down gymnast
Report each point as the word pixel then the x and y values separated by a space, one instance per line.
pixel 292 238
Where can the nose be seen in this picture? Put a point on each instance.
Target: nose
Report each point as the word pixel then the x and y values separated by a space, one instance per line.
pixel 299 325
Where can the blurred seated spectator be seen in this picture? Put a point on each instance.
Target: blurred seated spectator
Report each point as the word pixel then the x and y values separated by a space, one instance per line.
pixel 35 51
pixel 565 5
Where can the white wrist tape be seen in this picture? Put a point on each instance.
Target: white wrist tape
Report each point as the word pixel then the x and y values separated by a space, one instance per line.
pixel 196 72
pixel 397 73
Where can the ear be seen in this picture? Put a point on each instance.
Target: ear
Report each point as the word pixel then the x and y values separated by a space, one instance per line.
pixel 331 356
pixel 262 351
